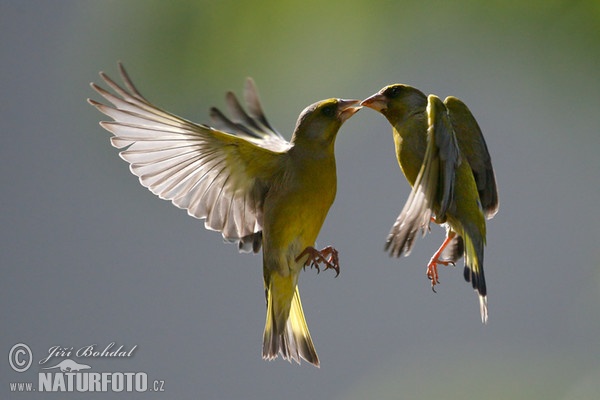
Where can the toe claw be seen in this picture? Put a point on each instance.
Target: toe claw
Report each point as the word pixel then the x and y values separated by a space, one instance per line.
pixel 328 256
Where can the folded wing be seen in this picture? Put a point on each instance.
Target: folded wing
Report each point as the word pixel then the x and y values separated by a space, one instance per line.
pixel 433 190
pixel 474 149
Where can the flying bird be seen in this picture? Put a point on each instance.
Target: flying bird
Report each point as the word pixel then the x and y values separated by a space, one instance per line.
pixel 247 182
pixel 444 157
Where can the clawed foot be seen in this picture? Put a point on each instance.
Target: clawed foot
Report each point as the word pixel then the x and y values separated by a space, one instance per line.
pixel 432 272
pixel 328 256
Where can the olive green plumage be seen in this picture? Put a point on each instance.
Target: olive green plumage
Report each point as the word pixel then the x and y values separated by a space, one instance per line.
pixel 247 182
pixel 443 155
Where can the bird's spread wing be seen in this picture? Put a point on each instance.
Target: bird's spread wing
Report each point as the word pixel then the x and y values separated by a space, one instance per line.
pixel 473 148
pixel 434 183
pixel 251 125
pixel 216 175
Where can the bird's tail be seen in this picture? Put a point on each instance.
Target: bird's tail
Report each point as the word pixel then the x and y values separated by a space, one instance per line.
pixel 286 331
pixel 473 271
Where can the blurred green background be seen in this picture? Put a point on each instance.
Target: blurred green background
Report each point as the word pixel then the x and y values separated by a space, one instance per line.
pixel 90 256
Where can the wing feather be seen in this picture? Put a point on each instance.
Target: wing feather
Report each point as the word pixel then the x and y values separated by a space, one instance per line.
pixel 221 176
pixel 474 149
pixel 433 190
pixel 253 126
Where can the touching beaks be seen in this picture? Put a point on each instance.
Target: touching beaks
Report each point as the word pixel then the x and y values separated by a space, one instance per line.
pixel 377 102
pixel 347 108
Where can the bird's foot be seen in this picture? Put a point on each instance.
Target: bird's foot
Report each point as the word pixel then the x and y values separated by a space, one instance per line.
pixel 432 272
pixel 328 256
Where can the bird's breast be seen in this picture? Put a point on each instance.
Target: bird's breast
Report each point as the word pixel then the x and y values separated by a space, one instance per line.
pixel 295 210
pixel 411 143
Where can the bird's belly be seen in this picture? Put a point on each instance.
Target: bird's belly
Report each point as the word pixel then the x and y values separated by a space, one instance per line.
pixel 291 223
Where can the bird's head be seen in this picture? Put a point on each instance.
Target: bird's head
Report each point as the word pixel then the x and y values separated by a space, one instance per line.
pixel 397 102
pixel 319 123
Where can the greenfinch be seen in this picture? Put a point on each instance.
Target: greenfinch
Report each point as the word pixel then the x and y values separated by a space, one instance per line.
pixel 444 157
pixel 247 182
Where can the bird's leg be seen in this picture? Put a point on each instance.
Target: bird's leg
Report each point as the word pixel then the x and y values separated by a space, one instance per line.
pixel 328 256
pixel 432 272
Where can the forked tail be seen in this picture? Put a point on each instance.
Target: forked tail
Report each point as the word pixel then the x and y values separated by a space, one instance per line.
pixel 286 331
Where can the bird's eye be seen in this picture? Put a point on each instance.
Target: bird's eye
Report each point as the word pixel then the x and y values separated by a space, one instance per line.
pixel 329 110
pixel 392 92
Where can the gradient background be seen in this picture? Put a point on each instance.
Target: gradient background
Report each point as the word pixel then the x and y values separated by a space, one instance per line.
pixel 89 256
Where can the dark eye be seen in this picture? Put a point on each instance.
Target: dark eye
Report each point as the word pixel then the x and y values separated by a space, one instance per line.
pixel 392 92
pixel 329 110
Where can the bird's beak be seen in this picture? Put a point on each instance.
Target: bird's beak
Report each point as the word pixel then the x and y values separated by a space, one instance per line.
pixel 377 102
pixel 347 108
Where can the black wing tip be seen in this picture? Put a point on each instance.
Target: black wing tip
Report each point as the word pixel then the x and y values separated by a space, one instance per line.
pixel 231 96
pixel 395 247
pixel 123 72
pixel 215 113
pixel 390 246
pixel 399 241
pixel 249 244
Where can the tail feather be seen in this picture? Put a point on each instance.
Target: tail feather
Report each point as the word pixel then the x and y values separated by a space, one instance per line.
pixel 473 271
pixel 286 333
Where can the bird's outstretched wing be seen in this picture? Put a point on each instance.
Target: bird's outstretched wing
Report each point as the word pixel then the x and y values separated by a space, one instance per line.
pixel 216 175
pixel 474 149
pixel 434 183
pixel 251 125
